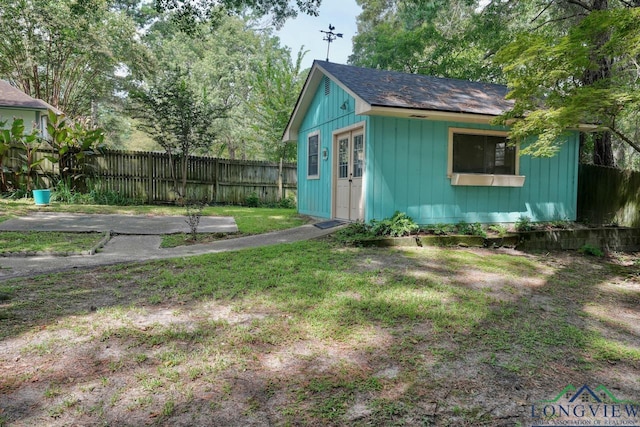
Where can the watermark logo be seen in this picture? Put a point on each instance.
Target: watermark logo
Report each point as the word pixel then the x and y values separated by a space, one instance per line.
pixel 585 406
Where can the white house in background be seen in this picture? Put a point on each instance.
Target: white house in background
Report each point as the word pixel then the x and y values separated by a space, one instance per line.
pixel 15 104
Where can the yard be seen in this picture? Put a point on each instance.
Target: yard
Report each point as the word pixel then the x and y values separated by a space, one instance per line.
pixel 314 333
pixel 249 220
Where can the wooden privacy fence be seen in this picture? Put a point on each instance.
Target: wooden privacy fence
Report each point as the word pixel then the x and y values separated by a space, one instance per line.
pixel 608 195
pixel 147 176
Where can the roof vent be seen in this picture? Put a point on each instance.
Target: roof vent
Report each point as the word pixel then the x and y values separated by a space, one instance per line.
pixel 327 85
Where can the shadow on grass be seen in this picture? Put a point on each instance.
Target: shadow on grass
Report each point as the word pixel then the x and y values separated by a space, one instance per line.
pixel 311 333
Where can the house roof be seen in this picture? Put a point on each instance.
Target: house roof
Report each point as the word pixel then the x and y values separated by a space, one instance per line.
pixel 381 92
pixel 12 97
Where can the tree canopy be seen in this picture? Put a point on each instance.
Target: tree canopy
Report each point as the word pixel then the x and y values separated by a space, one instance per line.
pixel 69 53
pixel 199 10
pixel 446 38
pixel 567 62
pixel 178 116
pixel 589 75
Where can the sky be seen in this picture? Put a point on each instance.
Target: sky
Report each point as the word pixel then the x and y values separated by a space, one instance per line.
pixel 304 31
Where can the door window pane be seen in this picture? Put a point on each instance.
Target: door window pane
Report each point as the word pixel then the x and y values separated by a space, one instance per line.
pixel 343 158
pixel 358 156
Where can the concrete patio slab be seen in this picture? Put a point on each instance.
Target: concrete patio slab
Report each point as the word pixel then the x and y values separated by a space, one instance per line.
pixel 119 224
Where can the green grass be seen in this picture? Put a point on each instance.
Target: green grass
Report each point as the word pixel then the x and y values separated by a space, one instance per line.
pixel 51 242
pixel 249 221
pixel 322 329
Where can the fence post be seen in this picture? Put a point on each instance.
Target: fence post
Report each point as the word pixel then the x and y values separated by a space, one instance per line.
pixel 216 179
pixel 280 180
pixel 150 177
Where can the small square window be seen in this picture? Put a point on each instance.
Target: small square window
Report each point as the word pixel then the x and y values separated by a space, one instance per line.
pixel 483 158
pixel 486 154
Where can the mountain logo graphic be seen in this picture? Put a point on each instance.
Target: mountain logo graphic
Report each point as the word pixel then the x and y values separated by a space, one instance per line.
pixel 585 394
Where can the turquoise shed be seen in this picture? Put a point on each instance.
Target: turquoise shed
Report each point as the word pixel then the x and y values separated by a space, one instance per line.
pixel 372 142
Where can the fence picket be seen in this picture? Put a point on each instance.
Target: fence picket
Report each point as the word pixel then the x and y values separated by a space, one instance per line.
pixel 147 176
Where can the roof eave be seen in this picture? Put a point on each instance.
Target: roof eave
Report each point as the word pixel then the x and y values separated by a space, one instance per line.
pixel 24 107
pixel 415 113
pixel 302 104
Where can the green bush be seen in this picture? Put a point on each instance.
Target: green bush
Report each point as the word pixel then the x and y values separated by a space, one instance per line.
pixel 499 229
pixel 463 228
pixel 524 223
pixel 442 229
pixel 591 250
pixel 97 195
pixel 476 229
pixel 288 202
pixel 400 224
pixel 18 193
pixel 252 200
pixel 109 197
pixel 354 233
pixel 64 193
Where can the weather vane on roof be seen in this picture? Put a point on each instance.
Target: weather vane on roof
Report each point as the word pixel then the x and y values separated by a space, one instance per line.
pixel 329 37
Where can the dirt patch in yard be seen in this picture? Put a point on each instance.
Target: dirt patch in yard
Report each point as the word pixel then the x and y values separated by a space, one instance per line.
pixel 365 336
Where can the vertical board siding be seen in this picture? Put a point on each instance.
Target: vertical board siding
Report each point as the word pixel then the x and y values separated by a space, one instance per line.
pixel 408 172
pixel 324 115
pixel 147 176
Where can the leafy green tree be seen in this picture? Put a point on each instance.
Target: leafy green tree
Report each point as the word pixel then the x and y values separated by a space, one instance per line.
pixel 223 59
pixel 72 142
pixel 68 52
pixel 29 142
pixel 588 74
pixel 567 61
pixel 278 81
pixel 441 38
pixel 191 11
pixel 179 117
pixel 244 68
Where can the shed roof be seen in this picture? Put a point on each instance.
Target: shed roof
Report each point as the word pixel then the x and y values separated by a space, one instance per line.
pixel 12 97
pixel 382 92
pixel 417 91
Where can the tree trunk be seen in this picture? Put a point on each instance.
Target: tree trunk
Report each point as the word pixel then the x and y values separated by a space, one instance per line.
pixel 602 150
pixel 184 164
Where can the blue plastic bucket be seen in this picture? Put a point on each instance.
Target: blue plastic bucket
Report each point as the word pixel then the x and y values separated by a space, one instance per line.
pixel 42 197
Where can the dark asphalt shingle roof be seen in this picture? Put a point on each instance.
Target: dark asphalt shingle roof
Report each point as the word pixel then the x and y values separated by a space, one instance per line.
pixel 12 97
pixel 402 90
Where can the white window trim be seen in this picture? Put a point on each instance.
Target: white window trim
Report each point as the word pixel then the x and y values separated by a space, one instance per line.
pixel 317 176
pixel 481 179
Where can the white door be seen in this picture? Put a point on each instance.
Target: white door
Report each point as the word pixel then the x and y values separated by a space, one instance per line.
pixel 348 201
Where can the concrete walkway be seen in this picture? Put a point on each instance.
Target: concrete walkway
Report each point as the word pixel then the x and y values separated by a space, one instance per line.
pixel 144 247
